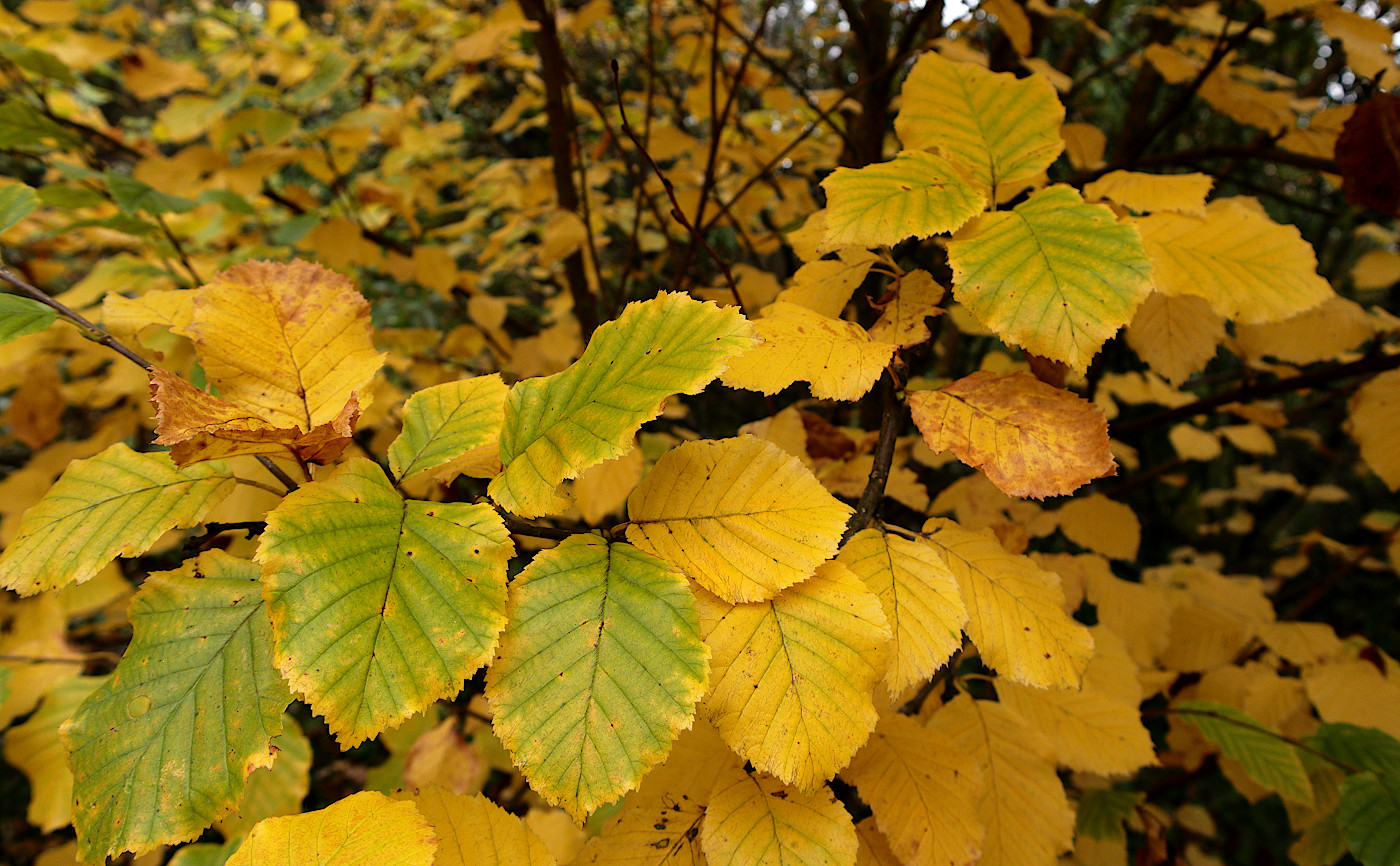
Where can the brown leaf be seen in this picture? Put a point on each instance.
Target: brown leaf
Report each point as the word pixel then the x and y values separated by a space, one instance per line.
pixel 1368 154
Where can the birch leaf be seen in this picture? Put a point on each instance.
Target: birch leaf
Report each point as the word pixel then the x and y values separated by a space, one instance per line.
pixel 792 676
pixel 916 194
pixel 599 670
pixel 116 503
pixel 557 426
pixel 1029 438
pixel 473 831
pixel 838 358
pixel 20 317
pixel 445 421
pixel 1176 335
pixel 741 517
pixel 916 298
pixel 758 820
pixel 1145 193
pixel 363 828
pixel 380 606
pixel 1266 757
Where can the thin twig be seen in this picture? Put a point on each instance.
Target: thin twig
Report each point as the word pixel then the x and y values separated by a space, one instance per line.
pixel 94 332
pixel 520 526
pixel 277 472
pixel 891 421
pixel 258 484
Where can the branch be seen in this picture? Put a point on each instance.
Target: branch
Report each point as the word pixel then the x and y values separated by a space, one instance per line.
pixel 521 526
pixel 891 421
pixel 94 332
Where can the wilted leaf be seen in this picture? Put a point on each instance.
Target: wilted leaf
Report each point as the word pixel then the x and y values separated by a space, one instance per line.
pixel 380 606
pixel 916 194
pixel 837 357
pixel 363 828
pixel 1027 437
pixel 741 517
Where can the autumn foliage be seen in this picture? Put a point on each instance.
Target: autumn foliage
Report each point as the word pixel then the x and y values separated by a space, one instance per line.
pixel 699 432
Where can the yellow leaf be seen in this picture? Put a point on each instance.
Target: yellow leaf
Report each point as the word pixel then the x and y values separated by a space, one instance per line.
pixel 1023 806
pixel 757 820
pixel 603 488
pixel 291 342
pixel 1084 144
pixel 1303 643
pixel 1269 110
pixel 1324 333
pixel 1176 335
pixel 741 517
pixel 1139 613
pixel 1029 438
pixel 1374 416
pixel 916 194
pixel 1054 275
pixel 837 357
pixel 874 848
pixel 363 828
pixel 917 297
pixel 1365 39
pixel 1376 269
pixel 1102 525
pixel 33 628
pixel 1355 692
pixel 1145 193
pixel 1014 610
pixel 1014 23
pixel 923 790
pixel 130 316
pixel 443 758
pixel 1220 616
pixel 1004 130
pixel 919 596
pixel 147 75
pixel 792 677
pixel 825 286
pixel 1245 265
pixel 35 748
pixel 473 830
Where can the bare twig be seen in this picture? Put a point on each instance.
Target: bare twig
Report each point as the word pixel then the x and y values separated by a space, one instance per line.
pixel 520 526
pixel 94 332
pixel 891 421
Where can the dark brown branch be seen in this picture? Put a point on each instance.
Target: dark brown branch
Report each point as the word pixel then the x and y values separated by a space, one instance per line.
pixel 891 422
pixel 94 332
pixel 520 526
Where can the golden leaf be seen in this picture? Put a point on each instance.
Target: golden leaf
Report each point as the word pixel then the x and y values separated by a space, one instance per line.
pixel 837 357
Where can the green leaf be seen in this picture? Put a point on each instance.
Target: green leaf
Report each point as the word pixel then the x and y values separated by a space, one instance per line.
pixel 20 317
pixel 916 194
pixel 559 425
pixel 446 421
pixel 117 503
pixel 1266 757
pixel 331 69
pixel 1054 276
pixel 1369 815
pixel 294 229
pixel 1102 812
pixel 132 195
pixel 17 201
pixel 1360 748
pixel 40 62
pixel 1005 130
pixel 380 606
pixel 600 669
pixel 163 748
pixel 22 127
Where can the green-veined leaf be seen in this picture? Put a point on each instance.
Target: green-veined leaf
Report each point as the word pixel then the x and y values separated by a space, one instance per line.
pixel 1358 747
pixel 20 317
pixel 1102 811
pixel 380 606
pixel 1054 276
pixel 1369 815
pixel 1266 757
pixel 741 517
pixel 275 790
pixel 445 421
pixel 559 425
pixel 599 670
pixel 363 828
pixel 916 194
pixel 164 747
pixel 116 503
pixel 17 201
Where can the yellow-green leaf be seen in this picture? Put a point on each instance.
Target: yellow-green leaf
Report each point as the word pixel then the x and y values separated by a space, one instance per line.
pixel 1054 276
pixel 20 317
pixel 923 791
pixel 1267 758
pixel 1023 806
pixel 916 194
pixel 919 596
pixel 1004 130
pixel 758 821
pixel 793 675
pixel 837 357
pixel 445 421
pixel 380 606
pixel 473 831
pixel 363 828
pixel 1247 266
pixel 35 749
pixel 599 670
pixel 741 517
pixel 558 426
pixel 291 341
pixel 163 748
pixel 1015 610
pixel 116 503
pixel 275 790
pixel 1027 437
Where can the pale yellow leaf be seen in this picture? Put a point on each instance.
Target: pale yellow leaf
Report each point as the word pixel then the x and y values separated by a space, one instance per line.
pixel 1324 333
pixel 1377 269
pixel 1084 144
pixel 919 596
pixel 1145 193
pixel 825 286
pixel 1139 613
pixel 1193 443
pixel 473 831
pixel 1176 335
pixel 837 357
pixel 603 488
pixel 363 828
pixel 1355 692
pixel 1014 23
pixel 35 749
pixel 758 821
pixel 1101 525
pixel 792 677
pixel 1014 609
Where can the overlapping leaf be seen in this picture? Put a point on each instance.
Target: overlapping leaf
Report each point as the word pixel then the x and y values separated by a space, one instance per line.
pixel 919 596
pixel 758 819
pixel 1175 334
pixel 1369 817
pixel 923 791
pixel 557 426
pixel 1247 266
pixel 600 668
pixel 1054 275
pixel 445 421
pixel 793 675
pixel 380 606
pixel 1090 730
pixel 116 503
pixel 1004 130
pixel 35 749
pixel 916 194
pixel 275 790
pixel 837 357
pixel 363 828
pixel 916 298
pixel 1266 757
pixel 1145 193
pixel 1015 610
pixel 741 517
pixel 473 830
pixel 1027 437
pixel 164 747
